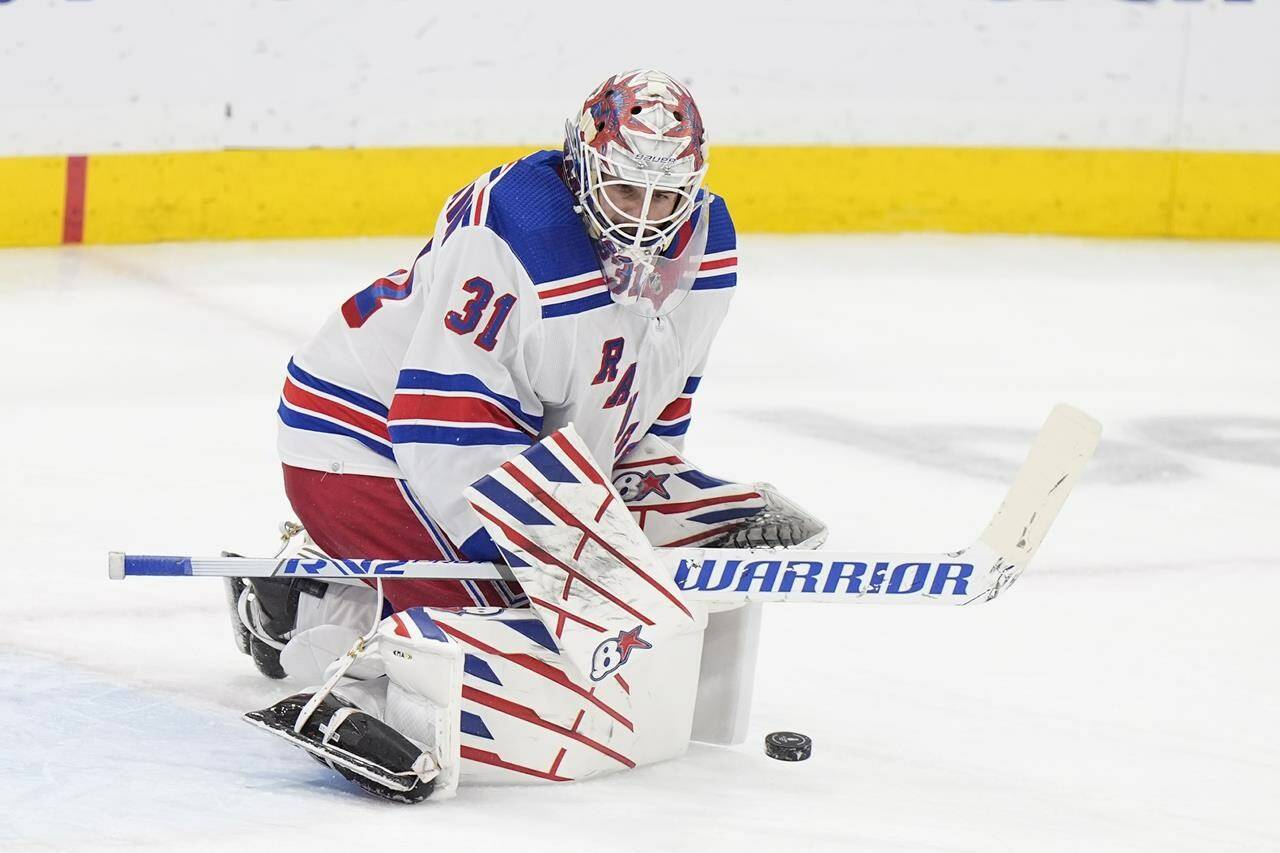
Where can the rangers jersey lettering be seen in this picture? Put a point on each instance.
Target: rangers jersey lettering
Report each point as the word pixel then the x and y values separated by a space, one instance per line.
pixel 499 333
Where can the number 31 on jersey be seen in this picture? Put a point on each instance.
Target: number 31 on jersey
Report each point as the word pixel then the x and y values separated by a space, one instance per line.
pixel 464 322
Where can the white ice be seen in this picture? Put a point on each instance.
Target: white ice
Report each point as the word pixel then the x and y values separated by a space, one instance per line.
pixel 1124 695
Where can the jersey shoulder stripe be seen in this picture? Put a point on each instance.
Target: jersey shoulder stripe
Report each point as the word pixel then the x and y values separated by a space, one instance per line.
pixel 719 267
pixel 532 210
pixel 574 294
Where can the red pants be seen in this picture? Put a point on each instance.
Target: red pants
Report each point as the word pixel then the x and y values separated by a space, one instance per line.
pixel 353 516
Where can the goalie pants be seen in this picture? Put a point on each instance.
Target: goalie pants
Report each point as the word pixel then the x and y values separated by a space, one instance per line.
pixel 355 515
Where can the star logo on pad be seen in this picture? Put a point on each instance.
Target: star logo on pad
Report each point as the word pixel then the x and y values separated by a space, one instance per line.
pixel 610 655
pixel 629 640
pixel 653 484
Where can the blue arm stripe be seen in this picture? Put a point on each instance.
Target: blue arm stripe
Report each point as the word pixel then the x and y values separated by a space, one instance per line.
pixel 429 380
pixel 297 420
pixel 356 399
pixel 716 282
pixel 418 434
pixel 675 429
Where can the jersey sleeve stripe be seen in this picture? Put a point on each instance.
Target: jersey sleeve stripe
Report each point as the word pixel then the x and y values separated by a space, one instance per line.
pixel 677 409
pixel 577 306
pixel 461 437
pixel 429 380
pixel 718 263
pixel 715 282
pixel 563 290
pixel 333 389
pixel 676 429
pixel 300 420
pixel 461 410
pixel 300 399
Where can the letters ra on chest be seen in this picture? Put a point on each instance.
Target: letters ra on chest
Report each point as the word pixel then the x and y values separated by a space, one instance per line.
pixel 630 384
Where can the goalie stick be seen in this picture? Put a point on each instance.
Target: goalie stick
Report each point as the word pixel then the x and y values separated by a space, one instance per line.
pixel 975 574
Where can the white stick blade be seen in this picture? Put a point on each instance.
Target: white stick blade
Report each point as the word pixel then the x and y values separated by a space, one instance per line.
pixel 1051 469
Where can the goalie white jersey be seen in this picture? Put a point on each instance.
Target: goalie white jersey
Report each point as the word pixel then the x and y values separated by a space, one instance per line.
pixel 502 331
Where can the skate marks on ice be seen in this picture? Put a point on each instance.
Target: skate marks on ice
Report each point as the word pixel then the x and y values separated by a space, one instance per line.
pixel 1163 450
pixel 89 762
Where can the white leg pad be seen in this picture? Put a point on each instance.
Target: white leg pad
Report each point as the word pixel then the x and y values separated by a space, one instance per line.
pixel 727 678
pixel 424 696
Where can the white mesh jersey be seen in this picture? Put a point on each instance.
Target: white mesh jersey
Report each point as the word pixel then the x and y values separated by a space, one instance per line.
pixel 501 332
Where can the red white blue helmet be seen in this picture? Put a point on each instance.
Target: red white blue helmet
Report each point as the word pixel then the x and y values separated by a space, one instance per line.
pixel 640 128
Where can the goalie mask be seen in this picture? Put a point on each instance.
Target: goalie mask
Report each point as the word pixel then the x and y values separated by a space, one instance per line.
pixel 635 159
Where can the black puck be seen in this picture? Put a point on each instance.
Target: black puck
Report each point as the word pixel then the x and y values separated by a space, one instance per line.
pixel 788 746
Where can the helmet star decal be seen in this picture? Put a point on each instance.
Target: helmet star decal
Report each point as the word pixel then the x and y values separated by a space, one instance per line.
pixel 690 127
pixel 612 108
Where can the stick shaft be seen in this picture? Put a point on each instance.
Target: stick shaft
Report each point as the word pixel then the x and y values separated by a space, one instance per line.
pixel 979 573
pixel 716 575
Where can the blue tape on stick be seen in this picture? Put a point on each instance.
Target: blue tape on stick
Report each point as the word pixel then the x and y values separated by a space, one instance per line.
pixel 157 566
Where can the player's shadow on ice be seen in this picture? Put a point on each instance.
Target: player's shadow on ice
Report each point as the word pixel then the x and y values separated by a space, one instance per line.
pixel 994 453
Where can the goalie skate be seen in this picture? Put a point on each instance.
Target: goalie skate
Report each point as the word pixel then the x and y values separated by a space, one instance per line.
pixel 264 610
pixel 362 748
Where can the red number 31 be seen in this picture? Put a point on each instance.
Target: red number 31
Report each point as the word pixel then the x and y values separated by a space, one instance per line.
pixel 465 323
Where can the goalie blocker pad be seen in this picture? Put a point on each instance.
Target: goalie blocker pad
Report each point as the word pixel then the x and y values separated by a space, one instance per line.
pixel 677 504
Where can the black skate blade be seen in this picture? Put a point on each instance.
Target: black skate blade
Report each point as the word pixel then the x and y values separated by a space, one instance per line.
pixel 354 763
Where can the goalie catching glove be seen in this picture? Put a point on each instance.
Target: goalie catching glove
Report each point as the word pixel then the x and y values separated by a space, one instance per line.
pixel 677 505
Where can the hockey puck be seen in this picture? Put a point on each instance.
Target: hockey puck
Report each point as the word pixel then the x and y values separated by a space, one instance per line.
pixel 788 746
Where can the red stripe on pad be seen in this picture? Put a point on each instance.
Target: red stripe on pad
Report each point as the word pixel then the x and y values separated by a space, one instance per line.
pixel 522 712
pixel 565 614
pixel 586 467
pixel 537 667
pixel 706 534
pixel 666 509
pixel 527 545
pixel 608 499
pixel 720 264
pixel 572 520
pixel 470 753
pixel 665 460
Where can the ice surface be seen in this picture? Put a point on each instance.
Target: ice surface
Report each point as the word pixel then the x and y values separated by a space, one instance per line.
pixel 1123 696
